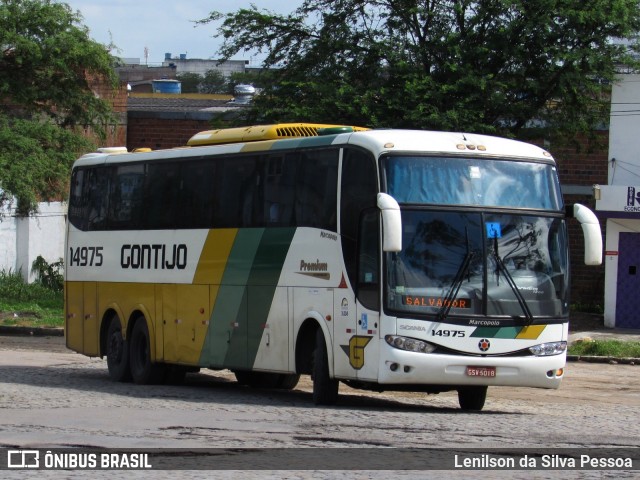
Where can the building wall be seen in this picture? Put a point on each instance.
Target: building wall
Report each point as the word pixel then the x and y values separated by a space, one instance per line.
pixel 617 205
pixel 151 130
pixel 23 239
pixel 202 66
pixel 582 164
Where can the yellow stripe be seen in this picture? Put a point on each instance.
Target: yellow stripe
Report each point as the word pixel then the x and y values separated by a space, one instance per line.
pixel 214 256
pixel 531 332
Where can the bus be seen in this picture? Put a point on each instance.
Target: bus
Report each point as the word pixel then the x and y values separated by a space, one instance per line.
pixel 381 259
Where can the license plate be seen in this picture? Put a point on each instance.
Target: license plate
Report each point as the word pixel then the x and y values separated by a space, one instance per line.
pixel 481 371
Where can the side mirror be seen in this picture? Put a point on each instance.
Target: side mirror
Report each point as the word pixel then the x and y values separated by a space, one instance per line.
pixel 592 234
pixel 391 223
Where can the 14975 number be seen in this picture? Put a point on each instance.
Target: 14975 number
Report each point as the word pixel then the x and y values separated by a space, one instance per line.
pixel 448 333
pixel 85 256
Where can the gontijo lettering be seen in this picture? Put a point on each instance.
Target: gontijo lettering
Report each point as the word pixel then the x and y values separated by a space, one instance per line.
pixel 154 256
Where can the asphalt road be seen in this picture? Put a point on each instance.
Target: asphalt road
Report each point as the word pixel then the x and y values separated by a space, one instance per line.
pixel 51 397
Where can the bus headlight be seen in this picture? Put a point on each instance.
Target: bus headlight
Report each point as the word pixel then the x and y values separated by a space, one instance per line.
pixel 409 344
pixel 547 349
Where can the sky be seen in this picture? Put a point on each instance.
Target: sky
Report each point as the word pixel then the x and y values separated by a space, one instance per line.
pixel 163 26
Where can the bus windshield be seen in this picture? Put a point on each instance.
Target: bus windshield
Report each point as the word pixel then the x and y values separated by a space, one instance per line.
pixel 472 181
pixel 456 264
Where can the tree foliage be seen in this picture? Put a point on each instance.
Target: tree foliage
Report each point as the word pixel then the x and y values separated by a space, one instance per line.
pixel 48 64
pixel 35 160
pixel 493 66
pixel 189 81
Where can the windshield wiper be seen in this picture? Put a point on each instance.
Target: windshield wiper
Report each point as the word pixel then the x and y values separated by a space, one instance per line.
pixel 512 284
pixel 447 302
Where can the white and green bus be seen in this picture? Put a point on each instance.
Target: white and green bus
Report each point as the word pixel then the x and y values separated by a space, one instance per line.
pixel 382 259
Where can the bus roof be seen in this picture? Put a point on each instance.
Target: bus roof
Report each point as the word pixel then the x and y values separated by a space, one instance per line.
pixel 293 136
pixel 267 132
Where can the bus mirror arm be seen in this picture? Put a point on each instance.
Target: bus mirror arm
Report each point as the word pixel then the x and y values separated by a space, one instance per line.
pixel 391 223
pixel 592 234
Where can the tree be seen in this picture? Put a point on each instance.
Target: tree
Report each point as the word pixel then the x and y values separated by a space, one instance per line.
pixel 213 82
pixel 190 81
pixel 48 64
pixel 493 66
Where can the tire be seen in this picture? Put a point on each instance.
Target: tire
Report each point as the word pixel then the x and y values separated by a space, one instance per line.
pixel 287 381
pixel 117 352
pixel 325 388
pixel 472 398
pixel 143 370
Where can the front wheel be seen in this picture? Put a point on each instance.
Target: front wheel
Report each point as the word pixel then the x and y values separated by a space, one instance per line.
pixel 143 370
pixel 325 388
pixel 472 398
pixel 117 352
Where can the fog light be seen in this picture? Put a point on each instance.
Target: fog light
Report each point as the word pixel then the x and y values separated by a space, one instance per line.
pixel 393 367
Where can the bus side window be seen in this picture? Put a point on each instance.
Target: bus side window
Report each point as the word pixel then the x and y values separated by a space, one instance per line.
pixel 161 195
pixel 126 198
pixel 77 202
pixel 97 198
pixel 279 190
pixel 238 192
pixel 88 198
pixel 316 189
pixel 369 260
pixel 196 194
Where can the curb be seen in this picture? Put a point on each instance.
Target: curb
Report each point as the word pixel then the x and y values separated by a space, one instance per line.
pixel 609 360
pixel 32 331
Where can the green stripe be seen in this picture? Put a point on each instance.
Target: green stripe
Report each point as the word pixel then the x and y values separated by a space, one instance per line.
pixel 496 332
pixel 245 296
pixel 262 283
pixel 224 343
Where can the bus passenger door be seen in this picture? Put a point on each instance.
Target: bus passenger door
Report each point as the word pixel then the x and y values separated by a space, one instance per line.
pixel 366 344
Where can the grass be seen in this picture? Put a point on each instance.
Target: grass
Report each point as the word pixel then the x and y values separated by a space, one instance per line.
pixel 31 305
pixel 605 348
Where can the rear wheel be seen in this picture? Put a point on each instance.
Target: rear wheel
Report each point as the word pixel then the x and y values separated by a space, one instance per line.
pixel 143 370
pixel 472 398
pixel 325 388
pixel 287 381
pixel 117 352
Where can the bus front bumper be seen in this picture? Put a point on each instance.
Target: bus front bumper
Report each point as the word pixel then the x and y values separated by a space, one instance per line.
pixel 401 367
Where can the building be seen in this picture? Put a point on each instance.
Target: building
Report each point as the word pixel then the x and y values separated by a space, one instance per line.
pixel 618 203
pixel 182 64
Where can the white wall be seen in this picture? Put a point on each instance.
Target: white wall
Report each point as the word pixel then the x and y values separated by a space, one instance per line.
pixel 202 66
pixel 23 239
pixel 623 131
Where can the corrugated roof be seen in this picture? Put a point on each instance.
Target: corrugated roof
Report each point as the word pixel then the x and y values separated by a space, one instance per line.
pixel 177 103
